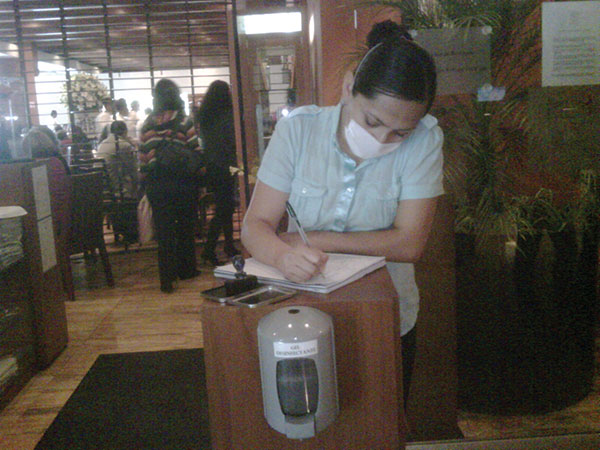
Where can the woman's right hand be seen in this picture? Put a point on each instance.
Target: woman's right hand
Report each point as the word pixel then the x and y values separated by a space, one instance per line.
pixel 145 157
pixel 286 251
pixel 301 263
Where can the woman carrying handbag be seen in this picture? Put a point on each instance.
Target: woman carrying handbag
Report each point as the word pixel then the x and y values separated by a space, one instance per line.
pixel 170 157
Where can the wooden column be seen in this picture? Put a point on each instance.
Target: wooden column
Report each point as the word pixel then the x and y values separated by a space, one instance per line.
pixel 344 26
pixel 29 77
pixel 431 408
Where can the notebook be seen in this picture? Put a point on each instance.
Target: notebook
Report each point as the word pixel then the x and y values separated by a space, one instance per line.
pixel 340 270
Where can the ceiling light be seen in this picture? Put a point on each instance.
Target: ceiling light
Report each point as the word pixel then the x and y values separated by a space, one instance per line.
pixel 288 22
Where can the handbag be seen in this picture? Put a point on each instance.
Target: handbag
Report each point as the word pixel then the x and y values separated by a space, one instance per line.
pixel 176 160
pixel 145 223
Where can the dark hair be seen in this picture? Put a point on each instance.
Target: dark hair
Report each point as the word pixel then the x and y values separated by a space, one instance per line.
pixel 121 104
pixel 396 66
pixel 118 127
pixel 78 135
pixel 166 97
pixel 216 100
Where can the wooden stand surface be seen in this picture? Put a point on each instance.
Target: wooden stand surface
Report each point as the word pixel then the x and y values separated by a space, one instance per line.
pixel 369 370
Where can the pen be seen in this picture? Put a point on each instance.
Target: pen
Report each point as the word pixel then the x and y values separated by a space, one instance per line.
pixel 293 215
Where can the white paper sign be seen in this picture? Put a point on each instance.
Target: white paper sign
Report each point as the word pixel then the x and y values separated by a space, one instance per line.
pixel 462 57
pixel 295 349
pixel 41 193
pixel 47 246
pixel 570 43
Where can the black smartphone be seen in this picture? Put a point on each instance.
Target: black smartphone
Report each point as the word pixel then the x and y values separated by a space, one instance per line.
pixel 263 294
pixel 216 294
pixel 266 295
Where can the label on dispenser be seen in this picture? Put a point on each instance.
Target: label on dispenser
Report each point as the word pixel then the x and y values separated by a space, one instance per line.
pixel 295 349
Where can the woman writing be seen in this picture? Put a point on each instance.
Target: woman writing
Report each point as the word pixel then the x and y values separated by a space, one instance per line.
pixel 362 176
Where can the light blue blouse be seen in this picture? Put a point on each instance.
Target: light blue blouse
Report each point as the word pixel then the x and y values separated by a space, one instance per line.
pixel 329 191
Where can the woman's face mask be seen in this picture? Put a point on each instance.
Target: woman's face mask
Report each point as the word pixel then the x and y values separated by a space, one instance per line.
pixel 363 144
pixel 377 126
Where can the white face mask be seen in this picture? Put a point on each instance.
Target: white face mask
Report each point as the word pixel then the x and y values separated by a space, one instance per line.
pixel 363 144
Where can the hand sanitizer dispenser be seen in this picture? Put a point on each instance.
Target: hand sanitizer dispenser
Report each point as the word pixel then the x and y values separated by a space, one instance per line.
pixel 297 369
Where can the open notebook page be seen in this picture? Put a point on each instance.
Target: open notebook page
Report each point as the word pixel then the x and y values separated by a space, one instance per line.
pixel 340 270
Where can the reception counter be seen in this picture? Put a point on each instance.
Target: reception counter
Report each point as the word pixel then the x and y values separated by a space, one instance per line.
pixel 366 323
pixel 369 370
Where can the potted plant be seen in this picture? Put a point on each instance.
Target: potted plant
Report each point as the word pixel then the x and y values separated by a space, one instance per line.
pixel 527 209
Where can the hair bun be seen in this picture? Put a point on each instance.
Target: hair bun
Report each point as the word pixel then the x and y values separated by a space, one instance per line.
pixel 387 30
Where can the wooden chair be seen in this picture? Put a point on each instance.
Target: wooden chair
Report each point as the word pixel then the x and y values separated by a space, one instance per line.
pixel 87 217
pixel 79 166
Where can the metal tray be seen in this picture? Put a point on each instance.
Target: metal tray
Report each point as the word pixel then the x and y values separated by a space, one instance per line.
pixel 264 294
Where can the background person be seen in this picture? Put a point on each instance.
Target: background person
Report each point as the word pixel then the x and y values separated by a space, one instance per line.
pixel 53 124
pixel 363 176
pixel 214 120
pixel 134 118
pixel 123 115
pixel 41 143
pixel 174 199
pixel 82 146
pixel 105 117
pixel 118 151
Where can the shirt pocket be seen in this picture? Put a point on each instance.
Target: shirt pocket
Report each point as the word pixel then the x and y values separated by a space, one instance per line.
pixel 381 206
pixel 307 199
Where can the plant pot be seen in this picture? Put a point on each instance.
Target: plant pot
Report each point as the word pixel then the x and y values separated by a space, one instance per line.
pixel 526 322
pixel 86 120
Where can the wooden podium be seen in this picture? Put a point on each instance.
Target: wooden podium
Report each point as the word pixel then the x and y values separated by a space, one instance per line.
pixel 369 371
pixel 26 184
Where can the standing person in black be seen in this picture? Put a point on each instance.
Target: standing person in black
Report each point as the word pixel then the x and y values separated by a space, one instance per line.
pixel 172 195
pixel 214 120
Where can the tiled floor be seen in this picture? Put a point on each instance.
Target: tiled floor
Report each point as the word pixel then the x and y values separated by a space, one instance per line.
pixel 136 316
